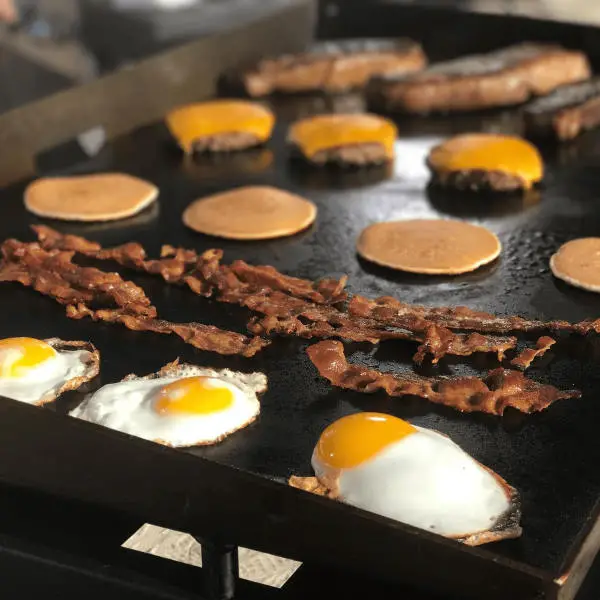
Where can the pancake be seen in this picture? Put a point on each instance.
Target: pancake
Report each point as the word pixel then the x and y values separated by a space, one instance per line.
pixel 102 197
pixel 353 139
pixel 425 246
pixel 578 263
pixel 250 213
pixel 220 125
pixel 486 161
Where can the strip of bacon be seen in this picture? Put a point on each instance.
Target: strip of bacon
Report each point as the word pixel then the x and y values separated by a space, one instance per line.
pixel 397 314
pixel 435 340
pixel 203 337
pixel 492 394
pixel 202 273
pixel 528 355
pixel 53 274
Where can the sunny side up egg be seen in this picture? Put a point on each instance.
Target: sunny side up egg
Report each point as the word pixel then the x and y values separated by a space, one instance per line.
pixel 387 466
pixel 38 371
pixel 181 405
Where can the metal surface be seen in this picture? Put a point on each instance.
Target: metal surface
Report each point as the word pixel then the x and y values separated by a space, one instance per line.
pixel 24 81
pixel 220 568
pixel 551 457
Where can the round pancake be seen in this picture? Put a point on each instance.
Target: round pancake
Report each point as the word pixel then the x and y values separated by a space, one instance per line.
pixel 578 263
pixel 428 246
pixel 250 213
pixel 103 197
pixel 486 161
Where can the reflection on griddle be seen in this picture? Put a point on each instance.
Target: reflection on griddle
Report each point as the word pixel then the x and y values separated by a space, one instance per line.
pixel 204 166
pixel 337 176
pixel 292 108
pixel 582 150
pixel 416 279
pixel 467 204
pixel 81 228
pixel 489 121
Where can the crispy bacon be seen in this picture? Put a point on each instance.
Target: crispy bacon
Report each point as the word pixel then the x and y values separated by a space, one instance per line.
pixel 313 323
pixel 291 306
pixel 53 273
pixel 203 337
pixel 491 394
pixel 395 313
pixel 202 273
pixel 528 355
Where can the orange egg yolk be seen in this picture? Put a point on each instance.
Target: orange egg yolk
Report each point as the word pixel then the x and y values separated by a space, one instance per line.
pixel 324 132
pixel 491 152
pixel 355 439
pixel 194 121
pixel 18 355
pixel 193 396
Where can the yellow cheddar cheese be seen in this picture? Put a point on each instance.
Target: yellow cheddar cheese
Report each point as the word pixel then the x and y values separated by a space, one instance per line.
pixel 489 152
pixel 206 119
pixel 324 132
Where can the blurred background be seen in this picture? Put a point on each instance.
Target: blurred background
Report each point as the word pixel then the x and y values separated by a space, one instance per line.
pixel 77 39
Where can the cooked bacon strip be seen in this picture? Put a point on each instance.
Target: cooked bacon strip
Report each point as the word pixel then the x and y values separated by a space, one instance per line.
pixel 52 273
pixel 398 314
pixel 202 273
pixel 528 355
pixel 435 340
pixel 203 337
pixel 292 316
pixel 492 394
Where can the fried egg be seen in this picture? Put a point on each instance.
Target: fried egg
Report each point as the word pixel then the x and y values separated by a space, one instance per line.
pixel 387 466
pixel 181 405
pixel 38 371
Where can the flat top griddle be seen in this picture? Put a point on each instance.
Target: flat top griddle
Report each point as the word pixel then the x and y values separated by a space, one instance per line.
pixel 550 457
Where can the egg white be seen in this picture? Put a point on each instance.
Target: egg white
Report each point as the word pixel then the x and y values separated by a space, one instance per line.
pixel 127 406
pixel 428 481
pixel 68 369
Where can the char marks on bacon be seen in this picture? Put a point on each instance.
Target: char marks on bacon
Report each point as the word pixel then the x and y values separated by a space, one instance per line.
pixel 317 321
pixel 204 274
pixel 528 355
pixel 491 394
pixel 396 314
pixel 90 292
pixel 291 306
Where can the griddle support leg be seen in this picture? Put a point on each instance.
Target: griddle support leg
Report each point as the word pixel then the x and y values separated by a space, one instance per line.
pixel 221 569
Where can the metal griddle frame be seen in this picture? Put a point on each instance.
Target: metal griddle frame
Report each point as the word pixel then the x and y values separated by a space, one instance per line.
pixel 222 506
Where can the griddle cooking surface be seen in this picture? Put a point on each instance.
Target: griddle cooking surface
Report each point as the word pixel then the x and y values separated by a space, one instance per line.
pixel 552 457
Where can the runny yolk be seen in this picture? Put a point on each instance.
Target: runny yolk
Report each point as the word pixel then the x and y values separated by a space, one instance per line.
pixel 194 396
pixel 17 355
pixel 194 121
pixel 355 439
pixel 324 132
pixel 492 152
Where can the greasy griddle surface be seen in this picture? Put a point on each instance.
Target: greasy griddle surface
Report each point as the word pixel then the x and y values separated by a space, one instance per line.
pixel 552 457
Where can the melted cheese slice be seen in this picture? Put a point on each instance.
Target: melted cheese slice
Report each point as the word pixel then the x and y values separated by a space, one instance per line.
pixel 323 132
pixel 489 152
pixel 194 121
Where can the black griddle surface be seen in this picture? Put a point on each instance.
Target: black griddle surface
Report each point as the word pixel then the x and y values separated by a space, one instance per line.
pixel 552 457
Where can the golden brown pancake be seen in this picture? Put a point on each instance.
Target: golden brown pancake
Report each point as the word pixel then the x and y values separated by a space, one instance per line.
pixel 103 197
pixel 434 246
pixel 250 213
pixel 578 262
pixel 486 160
